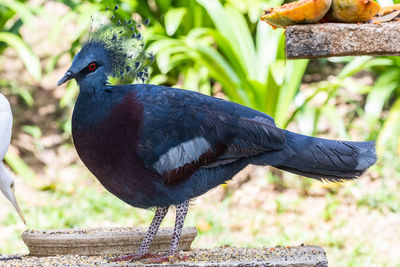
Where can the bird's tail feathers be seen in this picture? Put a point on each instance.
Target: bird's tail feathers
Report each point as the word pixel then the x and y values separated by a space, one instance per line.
pixel 324 159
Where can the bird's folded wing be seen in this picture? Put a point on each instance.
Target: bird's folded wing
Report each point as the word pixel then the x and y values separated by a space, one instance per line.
pixel 259 134
pixel 215 146
pixel 185 131
pixel 253 137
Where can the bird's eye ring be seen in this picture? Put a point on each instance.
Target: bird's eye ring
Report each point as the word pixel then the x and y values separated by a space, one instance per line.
pixel 92 66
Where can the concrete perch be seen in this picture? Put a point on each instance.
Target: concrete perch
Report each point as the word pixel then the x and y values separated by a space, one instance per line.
pixel 340 39
pixel 298 256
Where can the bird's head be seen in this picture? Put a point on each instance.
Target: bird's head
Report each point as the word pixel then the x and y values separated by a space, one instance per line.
pixel 7 188
pixel 91 65
pixel 114 49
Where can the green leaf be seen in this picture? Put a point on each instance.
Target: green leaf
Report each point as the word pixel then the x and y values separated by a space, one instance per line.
pixel 380 93
pixel 293 75
pixel 306 119
pixel 237 34
pixel 23 93
pixel 389 135
pixel 360 63
pixel 19 166
pixel 220 70
pixel 173 19
pixel 335 120
pixel 34 131
pixel 165 49
pixel 159 79
pixel 30 60
pixel 267 47
pixel 353 66
pixel 22 10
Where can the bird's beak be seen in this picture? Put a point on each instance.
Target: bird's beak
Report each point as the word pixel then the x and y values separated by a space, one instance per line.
pixel 16 206
pixel 68 76
pixel 11 197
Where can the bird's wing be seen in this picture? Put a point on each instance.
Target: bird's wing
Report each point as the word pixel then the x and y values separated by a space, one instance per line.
pixel 183 131
pixel 5 126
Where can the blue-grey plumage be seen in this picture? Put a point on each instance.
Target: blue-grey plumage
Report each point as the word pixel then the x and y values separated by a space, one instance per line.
pixel 155 146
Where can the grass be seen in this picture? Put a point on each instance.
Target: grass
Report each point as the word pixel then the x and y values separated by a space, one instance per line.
pixel 356 223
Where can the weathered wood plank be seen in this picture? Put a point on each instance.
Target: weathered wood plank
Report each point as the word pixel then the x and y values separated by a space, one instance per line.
pixel 340 39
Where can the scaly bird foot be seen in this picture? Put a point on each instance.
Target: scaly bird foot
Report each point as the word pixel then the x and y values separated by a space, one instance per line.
pixel 134 257
pixel 168 258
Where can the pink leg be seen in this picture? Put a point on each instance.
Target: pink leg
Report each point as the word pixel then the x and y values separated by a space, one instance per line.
pixel 181 211
pixel 148 239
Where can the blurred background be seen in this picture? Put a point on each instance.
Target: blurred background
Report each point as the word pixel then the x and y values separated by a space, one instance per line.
pixel 220 48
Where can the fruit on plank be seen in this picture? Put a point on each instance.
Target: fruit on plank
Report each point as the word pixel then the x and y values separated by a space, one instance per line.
pixel 299 12
pixel 353 10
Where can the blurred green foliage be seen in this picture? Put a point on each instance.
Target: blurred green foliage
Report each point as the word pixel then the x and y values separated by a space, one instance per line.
pixel 13 14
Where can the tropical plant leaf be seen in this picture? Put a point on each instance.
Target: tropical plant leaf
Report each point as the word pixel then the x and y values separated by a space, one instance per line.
pixel 18 165
pixel 31 61
pixel 293 75
pixel 389 135
pixel 173 19
pixel 380 93
pixel 336 121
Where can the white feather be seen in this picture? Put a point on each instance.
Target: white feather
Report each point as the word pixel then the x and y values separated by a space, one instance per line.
pixel 6 120
pixel 186 152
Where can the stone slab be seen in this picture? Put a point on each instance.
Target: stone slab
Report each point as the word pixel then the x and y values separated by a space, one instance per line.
pixel 100 241
pixel 294 256
pixel 342 39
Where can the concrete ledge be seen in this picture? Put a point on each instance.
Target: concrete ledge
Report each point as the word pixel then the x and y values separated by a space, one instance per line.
pixel 299 256
pixel 100 241
pixel 340 39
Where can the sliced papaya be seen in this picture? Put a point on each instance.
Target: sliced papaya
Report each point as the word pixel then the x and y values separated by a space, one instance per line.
pixel 353 10
pixel 389 9
pixel 299 12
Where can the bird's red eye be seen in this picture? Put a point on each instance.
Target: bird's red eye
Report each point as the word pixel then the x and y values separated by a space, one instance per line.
pixel 92 66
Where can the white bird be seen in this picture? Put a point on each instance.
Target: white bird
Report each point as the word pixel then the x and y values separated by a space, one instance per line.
pixel 6 180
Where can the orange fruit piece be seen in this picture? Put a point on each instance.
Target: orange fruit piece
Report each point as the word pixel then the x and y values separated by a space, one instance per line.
pixel 299 12
pixel 353 10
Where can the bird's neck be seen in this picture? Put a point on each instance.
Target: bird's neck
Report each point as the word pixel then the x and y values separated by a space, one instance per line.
pixel 4 180
pixel 91 107
pixel 93 84
pixel 94 104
